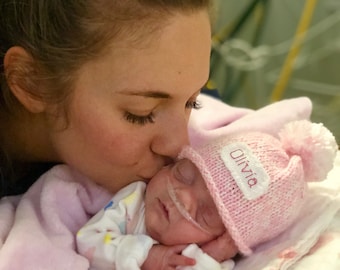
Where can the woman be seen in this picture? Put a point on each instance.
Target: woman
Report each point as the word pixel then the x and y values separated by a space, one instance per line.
pixel 104 86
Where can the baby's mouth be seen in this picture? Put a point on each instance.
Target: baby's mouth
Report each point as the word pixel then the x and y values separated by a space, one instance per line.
pixel 164 209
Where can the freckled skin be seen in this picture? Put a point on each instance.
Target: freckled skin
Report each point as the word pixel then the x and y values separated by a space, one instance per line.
pixel 100 141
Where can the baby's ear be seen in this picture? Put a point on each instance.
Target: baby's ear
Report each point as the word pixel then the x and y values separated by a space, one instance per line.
pixel 222 248
pixel 19 70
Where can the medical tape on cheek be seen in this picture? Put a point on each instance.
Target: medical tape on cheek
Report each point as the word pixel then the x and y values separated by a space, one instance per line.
pixel 180 207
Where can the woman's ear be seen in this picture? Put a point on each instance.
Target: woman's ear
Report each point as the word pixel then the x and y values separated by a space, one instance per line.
pixel 19 67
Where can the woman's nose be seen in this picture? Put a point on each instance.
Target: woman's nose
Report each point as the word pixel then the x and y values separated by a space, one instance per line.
pixel 171 138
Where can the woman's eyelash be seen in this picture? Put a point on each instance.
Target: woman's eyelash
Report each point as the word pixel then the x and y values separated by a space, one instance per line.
pixel 149 119
pixel 138 119
pixel 193 105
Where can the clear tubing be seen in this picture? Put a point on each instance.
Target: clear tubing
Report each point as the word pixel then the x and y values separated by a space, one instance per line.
pixel 180 207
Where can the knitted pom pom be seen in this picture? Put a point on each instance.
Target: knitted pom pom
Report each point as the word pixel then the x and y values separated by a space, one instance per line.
pixel 314 143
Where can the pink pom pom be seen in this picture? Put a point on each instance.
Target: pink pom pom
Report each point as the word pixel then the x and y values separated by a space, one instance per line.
pixel 314 143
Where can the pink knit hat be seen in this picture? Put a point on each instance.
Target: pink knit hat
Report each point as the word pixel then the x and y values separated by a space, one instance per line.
pixel 258 182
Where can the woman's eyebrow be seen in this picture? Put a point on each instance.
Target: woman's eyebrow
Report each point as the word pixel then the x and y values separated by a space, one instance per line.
pixel 146 93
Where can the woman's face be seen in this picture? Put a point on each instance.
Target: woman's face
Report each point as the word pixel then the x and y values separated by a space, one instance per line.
pixel 129 110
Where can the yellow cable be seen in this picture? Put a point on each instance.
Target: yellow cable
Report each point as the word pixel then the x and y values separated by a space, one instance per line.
pixel 294 50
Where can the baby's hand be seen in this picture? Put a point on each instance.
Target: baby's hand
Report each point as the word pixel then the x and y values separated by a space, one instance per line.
pixel 166 258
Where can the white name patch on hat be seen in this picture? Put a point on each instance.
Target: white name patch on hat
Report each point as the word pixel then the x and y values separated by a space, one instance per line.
pixel 246 169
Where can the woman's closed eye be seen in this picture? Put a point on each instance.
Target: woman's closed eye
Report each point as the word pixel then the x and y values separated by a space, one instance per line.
pixel 139 119
pixel 193 104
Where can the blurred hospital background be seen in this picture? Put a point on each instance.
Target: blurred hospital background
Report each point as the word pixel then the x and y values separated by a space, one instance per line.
pixel 267 50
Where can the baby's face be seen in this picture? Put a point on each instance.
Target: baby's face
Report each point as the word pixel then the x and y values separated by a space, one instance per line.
pixel 179 208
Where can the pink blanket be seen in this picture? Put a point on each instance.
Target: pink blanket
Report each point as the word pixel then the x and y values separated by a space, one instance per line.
pixel 37 229
pixel 217 118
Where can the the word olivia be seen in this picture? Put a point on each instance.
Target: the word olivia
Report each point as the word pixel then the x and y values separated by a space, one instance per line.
pixel 246 170
pixel 244 166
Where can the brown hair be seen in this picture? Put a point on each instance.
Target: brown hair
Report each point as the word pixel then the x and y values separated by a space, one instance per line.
pixel 62 35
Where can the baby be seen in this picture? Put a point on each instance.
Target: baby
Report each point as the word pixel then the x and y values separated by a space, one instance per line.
pixel 249 186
